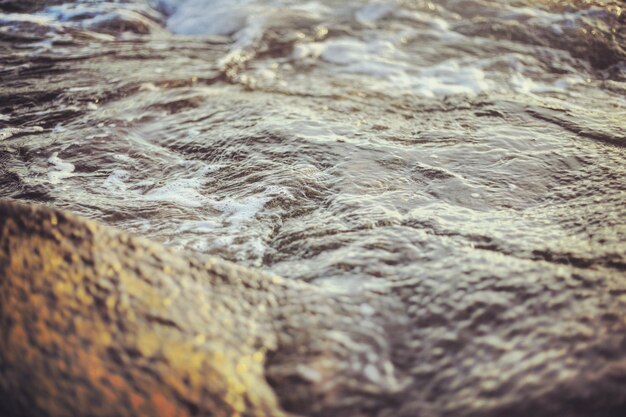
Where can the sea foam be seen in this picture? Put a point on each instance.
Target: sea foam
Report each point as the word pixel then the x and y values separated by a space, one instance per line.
pixel 59 170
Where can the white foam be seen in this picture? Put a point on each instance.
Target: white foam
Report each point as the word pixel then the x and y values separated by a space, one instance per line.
pixel 59 170
pixel 379 57
pixel 191 17
pixel 26 18
pixel 201 226
pixel 88 14
pixel 449 78
pixel 554 21
pixel 525 85
pixel 388 68
pixel 183 192
pixel 116 180
pixel 241 211
pixel 11 131
pixel 244 20
pixel 123 158
pixel 372 373
pixel 8 132
pixel 385 67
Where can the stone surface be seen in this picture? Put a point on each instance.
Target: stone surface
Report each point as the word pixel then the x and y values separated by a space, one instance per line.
pixel 98 323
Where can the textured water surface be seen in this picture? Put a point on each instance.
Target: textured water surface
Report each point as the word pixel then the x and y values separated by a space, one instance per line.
pixel 462 160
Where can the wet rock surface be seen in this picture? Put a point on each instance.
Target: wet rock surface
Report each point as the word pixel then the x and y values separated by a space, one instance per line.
pixel 95 322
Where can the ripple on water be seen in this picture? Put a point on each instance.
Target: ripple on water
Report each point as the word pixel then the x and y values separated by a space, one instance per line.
pixel 447 178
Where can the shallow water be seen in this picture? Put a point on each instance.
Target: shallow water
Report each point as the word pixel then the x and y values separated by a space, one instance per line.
pixel 457 164
pixel 457 159
pixel 334 141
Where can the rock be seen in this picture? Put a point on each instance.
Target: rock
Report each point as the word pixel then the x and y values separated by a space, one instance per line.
pixel 98 323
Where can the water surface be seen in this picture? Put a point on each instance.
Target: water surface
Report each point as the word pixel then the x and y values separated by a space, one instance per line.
pixel 413 148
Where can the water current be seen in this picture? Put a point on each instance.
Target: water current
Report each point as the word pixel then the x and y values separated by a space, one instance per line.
pixel 355 145
pixel 340 141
